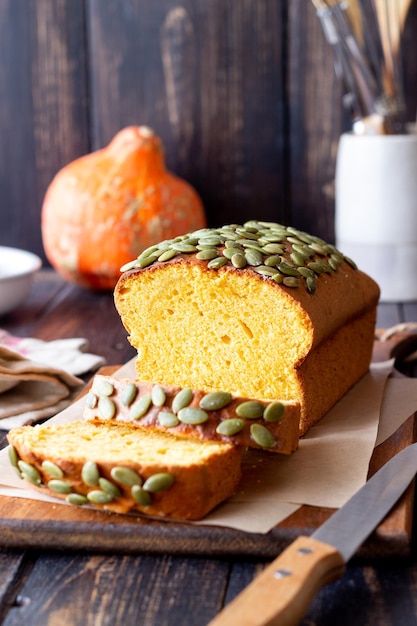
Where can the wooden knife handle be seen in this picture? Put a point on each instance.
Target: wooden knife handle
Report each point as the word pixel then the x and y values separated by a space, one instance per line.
pixel 283 592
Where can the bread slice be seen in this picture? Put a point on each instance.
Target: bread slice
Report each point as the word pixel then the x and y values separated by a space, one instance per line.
pixel 188 412
pixel 123 469
pixel 259 310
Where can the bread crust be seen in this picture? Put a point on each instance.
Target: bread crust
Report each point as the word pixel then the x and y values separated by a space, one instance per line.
pixel 206 475
pixel 284 431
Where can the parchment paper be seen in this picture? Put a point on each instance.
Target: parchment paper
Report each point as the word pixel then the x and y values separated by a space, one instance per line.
pixel 330 465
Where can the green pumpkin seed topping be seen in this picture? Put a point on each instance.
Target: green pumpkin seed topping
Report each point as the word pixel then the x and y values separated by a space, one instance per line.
pixel 274 412
pixel 59 486
pixel 91 400
pixel 215 401
pixel 103 387
pixel 13 458
pixel 192 415
pixel 272 251
pixel 262 436
pixel 158 482
pixel 99 497
pixel 158 396
pixel 251 409
pixel 52 469
pixel 142 497
pixel 109 487
pixel 29 472
pixel 230 427
pixel 90 474
pixel 168 419
pixel 77 499
pixel 126 476
pixel 140 407
pixel 182 399
pixel 106 408
pixel 129 393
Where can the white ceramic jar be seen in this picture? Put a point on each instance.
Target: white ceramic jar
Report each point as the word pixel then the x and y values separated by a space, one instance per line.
pixel 376 209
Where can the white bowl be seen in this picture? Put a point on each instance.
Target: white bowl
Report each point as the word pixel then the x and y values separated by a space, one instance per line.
pixel 17 268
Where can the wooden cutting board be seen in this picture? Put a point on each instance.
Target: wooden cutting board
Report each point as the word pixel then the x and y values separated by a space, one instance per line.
pixel 41 525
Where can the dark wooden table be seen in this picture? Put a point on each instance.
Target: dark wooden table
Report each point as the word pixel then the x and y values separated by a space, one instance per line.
pixel 57 588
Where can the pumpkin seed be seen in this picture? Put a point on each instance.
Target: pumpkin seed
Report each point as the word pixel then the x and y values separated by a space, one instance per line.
pixel 262 436
pixel 298 259
pixel 182 246
pixel 167 255
pixel 192 415
pixel 273 248
pixel 287 269
pixel 307 272
pixel 278 278
pixel 350 262
pixel 128 394
pixel 126 476
pixel 90 474
pixel 230 427
pixel 253 257
pixel 290 281
pixel 106 408
pixel 13 458
pixel 158 482
pixel 208 254
pixel 129 266
pixel 76 498
pixel 217 263
pixel 274 259
pixel 311 284
pixel 168 419
pixel 232 245
pixel 103 387
pixel 91 400
pixel 215 401
pixel 141 496
pixel 109 488
pixel 158 396
pixel 264 270
pixel 337 256
pixel 318 267
pixel 182 399
pixel 274 412
pixel 59 486
pixel 333 264
pixel 52 469
pixel 99 497
pixel 303 250
pixel 251 409
pixel 146 261
pixel 29 472
pixel 212 240
pixel 239 260
pixel 140 407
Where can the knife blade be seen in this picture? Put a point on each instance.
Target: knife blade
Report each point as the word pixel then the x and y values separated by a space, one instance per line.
pixel 282 593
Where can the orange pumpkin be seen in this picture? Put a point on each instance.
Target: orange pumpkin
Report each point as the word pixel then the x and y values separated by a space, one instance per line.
pixel 103 209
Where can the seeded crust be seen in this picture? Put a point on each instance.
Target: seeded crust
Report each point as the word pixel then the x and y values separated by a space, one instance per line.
pixel 204 474
pixel 284 432
pixel 239 331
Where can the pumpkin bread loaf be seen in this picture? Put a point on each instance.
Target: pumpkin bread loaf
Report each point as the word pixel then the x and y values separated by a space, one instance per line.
pixel 186 412
pixel 119 468
pixel 259 311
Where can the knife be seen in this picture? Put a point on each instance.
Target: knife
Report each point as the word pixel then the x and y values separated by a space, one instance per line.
pixel 283 592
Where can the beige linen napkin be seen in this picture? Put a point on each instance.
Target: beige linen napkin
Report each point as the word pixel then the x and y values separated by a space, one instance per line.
pixel 39 378
pixel 30 390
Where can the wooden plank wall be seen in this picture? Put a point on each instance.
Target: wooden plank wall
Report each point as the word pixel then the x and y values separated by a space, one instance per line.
pixel 242 92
